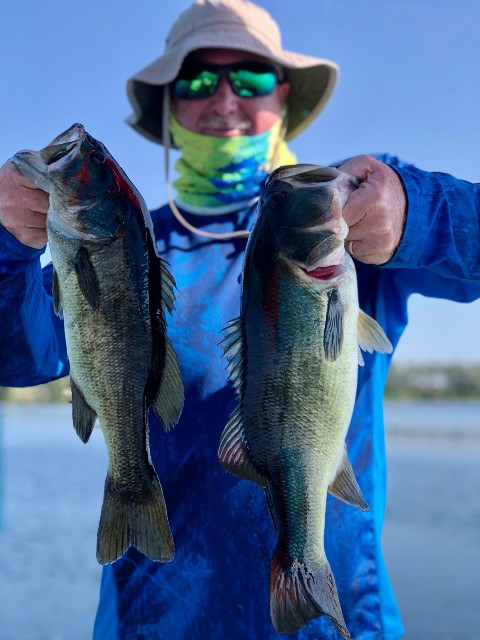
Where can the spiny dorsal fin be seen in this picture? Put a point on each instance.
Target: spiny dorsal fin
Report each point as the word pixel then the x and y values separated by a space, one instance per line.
pixel 371 336
pixel 87 278
pixel 82 413
pixel 169 400
pixel 234 454
pixel 57 295
pixel 232 344
pixel 333 336
pixel 168 287
pixel 345 486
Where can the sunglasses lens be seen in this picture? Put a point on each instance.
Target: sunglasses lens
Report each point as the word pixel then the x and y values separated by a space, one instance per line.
pixel 251 84
pixel 202 85
pixel 247 80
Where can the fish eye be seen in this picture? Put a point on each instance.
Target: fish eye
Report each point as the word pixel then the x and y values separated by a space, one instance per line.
pixel 98 157
pixel 278 197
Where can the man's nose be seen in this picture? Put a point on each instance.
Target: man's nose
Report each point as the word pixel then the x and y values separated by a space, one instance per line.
pixel 225 101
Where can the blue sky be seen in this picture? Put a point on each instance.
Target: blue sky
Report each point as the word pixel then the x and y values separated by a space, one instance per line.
pixel 409 85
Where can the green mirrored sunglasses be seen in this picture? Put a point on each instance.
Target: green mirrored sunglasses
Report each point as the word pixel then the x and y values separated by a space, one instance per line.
pixel 247 80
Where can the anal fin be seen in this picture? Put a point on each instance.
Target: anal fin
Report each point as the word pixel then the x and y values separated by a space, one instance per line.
pixel 234 454
pixel 82 413
pixel 345 486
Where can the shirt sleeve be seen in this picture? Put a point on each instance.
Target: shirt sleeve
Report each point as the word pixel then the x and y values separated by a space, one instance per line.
pixel 32 340
pixel 442 229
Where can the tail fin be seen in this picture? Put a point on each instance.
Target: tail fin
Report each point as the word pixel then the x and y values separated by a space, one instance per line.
pixel 134 520
pixel 300 593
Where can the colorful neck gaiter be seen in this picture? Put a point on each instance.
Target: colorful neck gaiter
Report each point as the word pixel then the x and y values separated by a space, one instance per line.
pixel 220 175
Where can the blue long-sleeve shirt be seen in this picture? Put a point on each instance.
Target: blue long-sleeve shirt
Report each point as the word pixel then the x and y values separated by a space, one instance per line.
pixel 217 586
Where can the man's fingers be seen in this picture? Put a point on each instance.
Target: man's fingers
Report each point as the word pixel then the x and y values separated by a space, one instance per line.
pixel 360 167
pixel 354 210
pixel 35 238
pixel 375 212
pixel 23 207
pixel 25 198
pixel 369 249
pixel 35 220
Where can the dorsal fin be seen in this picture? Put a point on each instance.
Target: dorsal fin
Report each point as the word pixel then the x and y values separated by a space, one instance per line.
pixel 168 287
pixel 232 344
pixel 169 401
pixel 165 384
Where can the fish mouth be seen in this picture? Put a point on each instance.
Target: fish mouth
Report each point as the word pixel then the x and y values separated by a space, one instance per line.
pixel 327 273
pixel 64 147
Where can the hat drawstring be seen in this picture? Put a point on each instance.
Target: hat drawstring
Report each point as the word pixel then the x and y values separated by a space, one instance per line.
pixel 173 206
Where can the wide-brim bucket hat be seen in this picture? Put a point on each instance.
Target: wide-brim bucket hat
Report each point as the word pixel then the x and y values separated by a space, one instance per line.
pixel 238 25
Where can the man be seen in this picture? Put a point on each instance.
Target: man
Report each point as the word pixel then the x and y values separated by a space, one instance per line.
pixel 236 96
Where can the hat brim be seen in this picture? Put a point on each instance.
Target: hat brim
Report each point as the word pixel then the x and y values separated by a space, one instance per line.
pixel 312 81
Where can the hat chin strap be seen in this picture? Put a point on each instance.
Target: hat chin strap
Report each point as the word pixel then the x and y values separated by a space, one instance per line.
pixel 173 206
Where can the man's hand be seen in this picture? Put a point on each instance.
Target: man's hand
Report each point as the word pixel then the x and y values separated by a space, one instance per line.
pixel 23 207
pixel 375 212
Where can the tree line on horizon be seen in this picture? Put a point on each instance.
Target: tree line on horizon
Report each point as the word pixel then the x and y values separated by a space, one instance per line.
pixel 404 382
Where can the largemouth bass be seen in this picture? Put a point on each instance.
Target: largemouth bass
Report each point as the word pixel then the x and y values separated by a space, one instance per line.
pixel 113 291
pixel 293 357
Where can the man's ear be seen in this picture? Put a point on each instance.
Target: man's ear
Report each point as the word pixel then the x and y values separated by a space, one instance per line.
pixel 283 91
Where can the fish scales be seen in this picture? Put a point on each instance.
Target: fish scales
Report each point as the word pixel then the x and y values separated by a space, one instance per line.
pixel 113 291
pixel 293 357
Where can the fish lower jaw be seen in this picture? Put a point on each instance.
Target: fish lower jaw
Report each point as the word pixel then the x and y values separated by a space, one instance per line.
pixel 329 268
pixel 327 273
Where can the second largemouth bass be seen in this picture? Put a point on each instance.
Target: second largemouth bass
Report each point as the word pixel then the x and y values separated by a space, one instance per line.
pixel 293 358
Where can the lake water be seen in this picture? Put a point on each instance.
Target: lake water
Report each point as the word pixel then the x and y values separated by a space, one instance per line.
pixel 53 487
pixel 426 418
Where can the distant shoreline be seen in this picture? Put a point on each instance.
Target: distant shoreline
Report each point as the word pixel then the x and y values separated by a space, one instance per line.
pixel 405 382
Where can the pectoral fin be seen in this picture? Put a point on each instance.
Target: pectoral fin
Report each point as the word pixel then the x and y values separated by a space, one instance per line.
pixel 87 278
pixel 345 486
pixel 333 336
pixel 371 336
pixel 57 296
